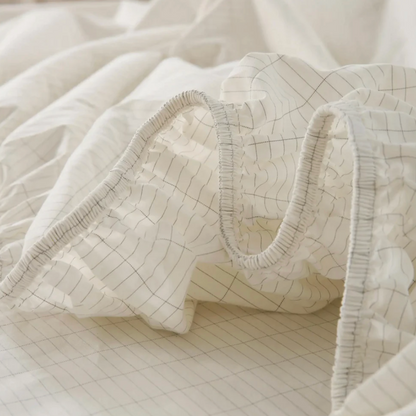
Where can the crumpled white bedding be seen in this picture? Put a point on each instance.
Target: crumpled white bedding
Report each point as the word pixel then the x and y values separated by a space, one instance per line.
pixel 272 176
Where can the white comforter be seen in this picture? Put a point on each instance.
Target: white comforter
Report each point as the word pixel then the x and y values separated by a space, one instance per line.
pixel 268 182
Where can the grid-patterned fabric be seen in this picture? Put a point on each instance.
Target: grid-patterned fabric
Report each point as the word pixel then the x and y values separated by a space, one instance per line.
pixel 233 362
pixel 295 182
pixel 170 206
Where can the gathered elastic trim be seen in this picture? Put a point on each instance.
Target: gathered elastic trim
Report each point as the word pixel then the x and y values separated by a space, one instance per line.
pixel 291 231
pixel 347 369
pixel 349 353
pixel 119 179
pixel 301 205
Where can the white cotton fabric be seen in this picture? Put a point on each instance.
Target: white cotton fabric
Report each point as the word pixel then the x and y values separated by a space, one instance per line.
pixel 265 174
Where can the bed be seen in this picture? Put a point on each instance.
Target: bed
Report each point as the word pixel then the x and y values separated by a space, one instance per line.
pixel 207 208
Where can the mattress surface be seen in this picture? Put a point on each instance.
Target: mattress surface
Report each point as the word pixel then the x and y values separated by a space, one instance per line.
pixel 233 361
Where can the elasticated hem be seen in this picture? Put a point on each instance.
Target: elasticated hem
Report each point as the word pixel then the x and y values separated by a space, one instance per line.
pixel 291 231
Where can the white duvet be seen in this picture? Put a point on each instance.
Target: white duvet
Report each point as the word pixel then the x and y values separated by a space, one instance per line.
pixel 275 169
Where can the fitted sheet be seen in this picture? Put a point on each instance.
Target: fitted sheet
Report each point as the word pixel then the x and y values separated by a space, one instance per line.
pixel 72 98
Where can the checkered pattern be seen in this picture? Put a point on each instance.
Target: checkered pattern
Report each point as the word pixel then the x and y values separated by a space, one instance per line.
pixel 234 361
pixel 297 182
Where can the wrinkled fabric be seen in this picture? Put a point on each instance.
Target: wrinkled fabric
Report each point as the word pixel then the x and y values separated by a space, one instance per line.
pixel 265 174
